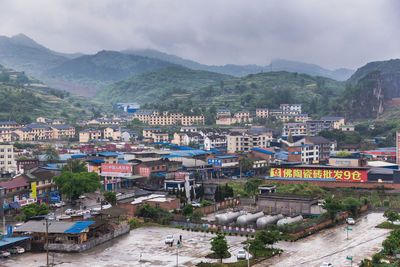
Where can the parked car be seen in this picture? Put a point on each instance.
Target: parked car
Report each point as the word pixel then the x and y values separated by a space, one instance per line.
pixel 82 197
pixel 326 264
pixel 51 216
pixel 16 250
pixel 241 255
pixel 69 212
pixel 169 239
pixel 195 204
pixel 350 221
pixel 4 254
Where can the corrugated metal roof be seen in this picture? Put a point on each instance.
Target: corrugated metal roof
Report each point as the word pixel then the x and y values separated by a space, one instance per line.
pixel 11 240
pixel 79 227
pixel 263 150
pixel 55 227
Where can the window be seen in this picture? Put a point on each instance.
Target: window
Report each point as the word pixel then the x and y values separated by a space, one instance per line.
pixel 9 162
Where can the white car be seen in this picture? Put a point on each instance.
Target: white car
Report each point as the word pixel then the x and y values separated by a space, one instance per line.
pixel 196 204
pixel 326 264
pixel 69 212
pixel 169 239
pixel 350 221
pixel 4 254
pixel 241 254
pixel 16 250
pixel 82 197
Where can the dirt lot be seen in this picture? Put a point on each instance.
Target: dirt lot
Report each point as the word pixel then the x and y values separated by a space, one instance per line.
pixel 145 243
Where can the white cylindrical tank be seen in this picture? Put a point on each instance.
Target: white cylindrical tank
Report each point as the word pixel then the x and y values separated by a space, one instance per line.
pixel 289 220
pixel 228 217
pixel 265 220
pixel 248 218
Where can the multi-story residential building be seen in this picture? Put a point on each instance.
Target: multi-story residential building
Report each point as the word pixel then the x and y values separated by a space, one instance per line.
pixel 160 137
pixel 153 117
pixel 337 121
pixel 223 113
pixel 295 128
pixel 262 113
pixel 33 132
pixel 113 132
pixel 7 161
pixel 188 129
pixel 148 132
pixel 214 141
pixel 9 124
pixel 242 116
pixel 288 116
pixel 104 122
pixel 192 120
pixel 290 107
pixel 62 131
pixel 179 139
pixel 89 134
pixel 244 142
pixel 6 134
pixel 128 135
pixel 324 145
pixel 343 128
pixel 306 154
pixel 314 127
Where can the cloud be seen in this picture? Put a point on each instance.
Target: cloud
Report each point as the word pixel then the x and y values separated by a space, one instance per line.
pixel 331 33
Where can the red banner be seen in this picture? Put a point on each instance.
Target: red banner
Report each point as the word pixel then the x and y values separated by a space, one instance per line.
pixel 331 174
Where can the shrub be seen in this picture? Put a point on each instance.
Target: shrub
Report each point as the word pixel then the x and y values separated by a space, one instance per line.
pixel 386 203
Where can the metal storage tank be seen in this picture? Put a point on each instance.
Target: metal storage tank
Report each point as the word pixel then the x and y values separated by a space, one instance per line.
pixel 228 217
pixel 248 218
pixel 289 220
pixel 269 219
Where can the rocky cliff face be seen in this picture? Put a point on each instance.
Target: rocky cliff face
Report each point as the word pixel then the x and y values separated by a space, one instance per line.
pixel 367 98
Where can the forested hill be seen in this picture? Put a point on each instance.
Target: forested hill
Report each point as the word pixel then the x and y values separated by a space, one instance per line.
pixel 21 103
pixel 263 90
pixel 171 81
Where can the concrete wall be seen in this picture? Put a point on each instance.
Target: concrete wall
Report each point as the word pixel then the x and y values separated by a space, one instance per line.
pixel 89 244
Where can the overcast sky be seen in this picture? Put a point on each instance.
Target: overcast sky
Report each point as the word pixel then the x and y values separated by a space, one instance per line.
pixel 339 33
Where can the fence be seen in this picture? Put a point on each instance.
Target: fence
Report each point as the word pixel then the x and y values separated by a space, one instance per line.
pixel 220 205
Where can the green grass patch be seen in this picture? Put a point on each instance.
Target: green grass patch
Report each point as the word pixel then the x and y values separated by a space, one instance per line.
pixel 388 225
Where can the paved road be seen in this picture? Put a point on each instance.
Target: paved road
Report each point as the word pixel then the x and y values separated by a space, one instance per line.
pixel 332 245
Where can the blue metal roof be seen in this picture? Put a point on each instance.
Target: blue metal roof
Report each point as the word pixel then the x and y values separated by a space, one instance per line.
pixel 79 156
pixel 11 240
pixel 108 154
pixel 263 151
pixel 78 227
pixel 185 153
pixel 121 161
pixel 49 168
pixel 226 157
pixel 96 160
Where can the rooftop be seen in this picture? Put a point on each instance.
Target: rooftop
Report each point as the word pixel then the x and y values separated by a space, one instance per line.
pixel 56 227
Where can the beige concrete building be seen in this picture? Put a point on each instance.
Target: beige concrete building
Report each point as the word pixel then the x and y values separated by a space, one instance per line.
pixel 89 134
pixel 7 161
pixel 179 139
pixel 112 132
pixel 63 131
pixel 262 113
pixel 244 142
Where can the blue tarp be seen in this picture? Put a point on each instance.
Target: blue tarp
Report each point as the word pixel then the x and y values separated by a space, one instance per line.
pixel 11 240
pixel 226 157
pixel 78 227
pixel 108 154
pixel 79 156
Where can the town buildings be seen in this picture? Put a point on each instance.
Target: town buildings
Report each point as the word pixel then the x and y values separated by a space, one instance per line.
pixel 244 142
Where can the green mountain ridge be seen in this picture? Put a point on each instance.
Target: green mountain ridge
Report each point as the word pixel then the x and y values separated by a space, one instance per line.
pixel 340 74
pixel 148 86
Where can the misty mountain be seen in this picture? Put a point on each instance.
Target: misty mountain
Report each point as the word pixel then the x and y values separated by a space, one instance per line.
pixel 243 70
pixel 146 87
pixel 103 68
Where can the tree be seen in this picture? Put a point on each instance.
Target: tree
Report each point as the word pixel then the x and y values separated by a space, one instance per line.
pixel 332 206
pixel 352 205
pixel 74 166
pixel 147 211
pixel 251 185
pixel 187 210
pixel 32 210
pixel 268 237
pixel 51 154
pixel 192 194
pixel 391 216
pixel 219 246
pixel 246 165
pixel 75 184
pixel 110 197
pixel 256 245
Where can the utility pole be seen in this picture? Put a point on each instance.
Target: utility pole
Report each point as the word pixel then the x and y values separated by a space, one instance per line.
pixel 248 252
pixel 177 254
pixel 47 241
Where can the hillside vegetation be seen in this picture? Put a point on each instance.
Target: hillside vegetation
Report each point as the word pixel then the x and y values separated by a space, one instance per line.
pixel 172 81
pixel 263 90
